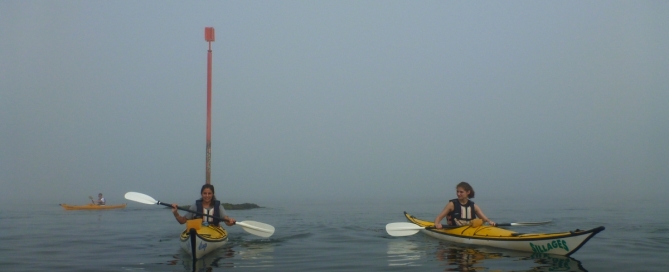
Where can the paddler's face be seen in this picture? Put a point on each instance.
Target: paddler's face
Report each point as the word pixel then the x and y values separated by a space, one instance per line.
pixel 207 194
pixel 462 194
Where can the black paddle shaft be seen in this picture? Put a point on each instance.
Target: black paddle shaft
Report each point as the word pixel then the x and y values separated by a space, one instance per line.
pixel 444 227
pixel 184 209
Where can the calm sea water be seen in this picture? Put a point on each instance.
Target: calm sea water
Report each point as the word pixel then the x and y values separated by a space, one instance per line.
pixel 328 237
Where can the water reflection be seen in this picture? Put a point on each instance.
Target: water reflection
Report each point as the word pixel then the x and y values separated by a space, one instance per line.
pixel 256 254
pixel 464 259
pixel 244 255
pixel 555 263
pixel 404 253
pixel 215 259
pixel 461 258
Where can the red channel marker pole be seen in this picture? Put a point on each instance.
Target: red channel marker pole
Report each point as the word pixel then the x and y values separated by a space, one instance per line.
pixel 209 37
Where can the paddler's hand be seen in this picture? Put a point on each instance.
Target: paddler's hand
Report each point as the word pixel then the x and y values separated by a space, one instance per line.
pixel 174 208
pixel 438 225
pixel 490 222
pixel 230 221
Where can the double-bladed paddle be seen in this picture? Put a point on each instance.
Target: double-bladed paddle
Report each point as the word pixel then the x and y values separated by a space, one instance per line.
pixel 252 227
pixel 522 224
pixel 406 229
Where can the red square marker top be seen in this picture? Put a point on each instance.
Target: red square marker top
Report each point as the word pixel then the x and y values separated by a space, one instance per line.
pixel 209 34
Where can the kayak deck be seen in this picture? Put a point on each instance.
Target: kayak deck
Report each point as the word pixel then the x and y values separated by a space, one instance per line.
pixel 200 241
pixel 209 233
pixel 560 243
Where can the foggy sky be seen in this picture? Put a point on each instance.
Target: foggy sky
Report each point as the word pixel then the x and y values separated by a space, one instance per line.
pixel 334 99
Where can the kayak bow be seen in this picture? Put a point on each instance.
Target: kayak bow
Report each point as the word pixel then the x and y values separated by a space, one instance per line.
pixel 200 240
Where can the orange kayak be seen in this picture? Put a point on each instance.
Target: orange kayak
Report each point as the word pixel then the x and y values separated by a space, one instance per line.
pixel 92 206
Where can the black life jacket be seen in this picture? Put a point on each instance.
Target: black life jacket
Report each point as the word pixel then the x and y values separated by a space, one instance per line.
pixel 217 211
pixel 461 214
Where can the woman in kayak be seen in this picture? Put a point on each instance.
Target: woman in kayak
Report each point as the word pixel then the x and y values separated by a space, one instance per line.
pixel 206 205
pixel 461 210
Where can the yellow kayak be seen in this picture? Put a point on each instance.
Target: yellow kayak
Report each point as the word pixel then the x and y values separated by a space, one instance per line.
pixel 560 243
pixel 92 206
pixel 198 240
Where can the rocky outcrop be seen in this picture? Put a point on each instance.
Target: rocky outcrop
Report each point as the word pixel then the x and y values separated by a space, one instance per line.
pixel 244 206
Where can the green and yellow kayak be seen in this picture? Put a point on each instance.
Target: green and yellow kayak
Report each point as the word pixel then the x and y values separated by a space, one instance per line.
pixel 560 243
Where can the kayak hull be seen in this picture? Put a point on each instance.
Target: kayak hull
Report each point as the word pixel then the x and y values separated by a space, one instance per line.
pixel 561 243
pixel 199 243
pixel 92 206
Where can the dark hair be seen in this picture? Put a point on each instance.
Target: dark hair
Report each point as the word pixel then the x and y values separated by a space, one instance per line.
pixel 467 187
pixel 213 198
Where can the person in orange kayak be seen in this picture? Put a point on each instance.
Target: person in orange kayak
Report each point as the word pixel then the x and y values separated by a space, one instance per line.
pixel 101 200
pixel 460 211
pixel 209 205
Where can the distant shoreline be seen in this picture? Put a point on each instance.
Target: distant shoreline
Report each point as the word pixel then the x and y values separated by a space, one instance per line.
pixel 243 206
pixel 229 206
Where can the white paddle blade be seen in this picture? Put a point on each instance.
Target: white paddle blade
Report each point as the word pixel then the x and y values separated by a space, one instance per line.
pixel 141 198
pixel 257 228
pixel 402 229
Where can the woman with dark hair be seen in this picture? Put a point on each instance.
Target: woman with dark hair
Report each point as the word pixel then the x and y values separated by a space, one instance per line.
pixel 460 211
pixel 207 205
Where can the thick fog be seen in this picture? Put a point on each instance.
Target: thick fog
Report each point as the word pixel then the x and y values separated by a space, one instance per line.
pixel 334 100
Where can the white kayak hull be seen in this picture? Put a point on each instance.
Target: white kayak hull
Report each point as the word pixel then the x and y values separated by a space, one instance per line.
pixel 555 245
